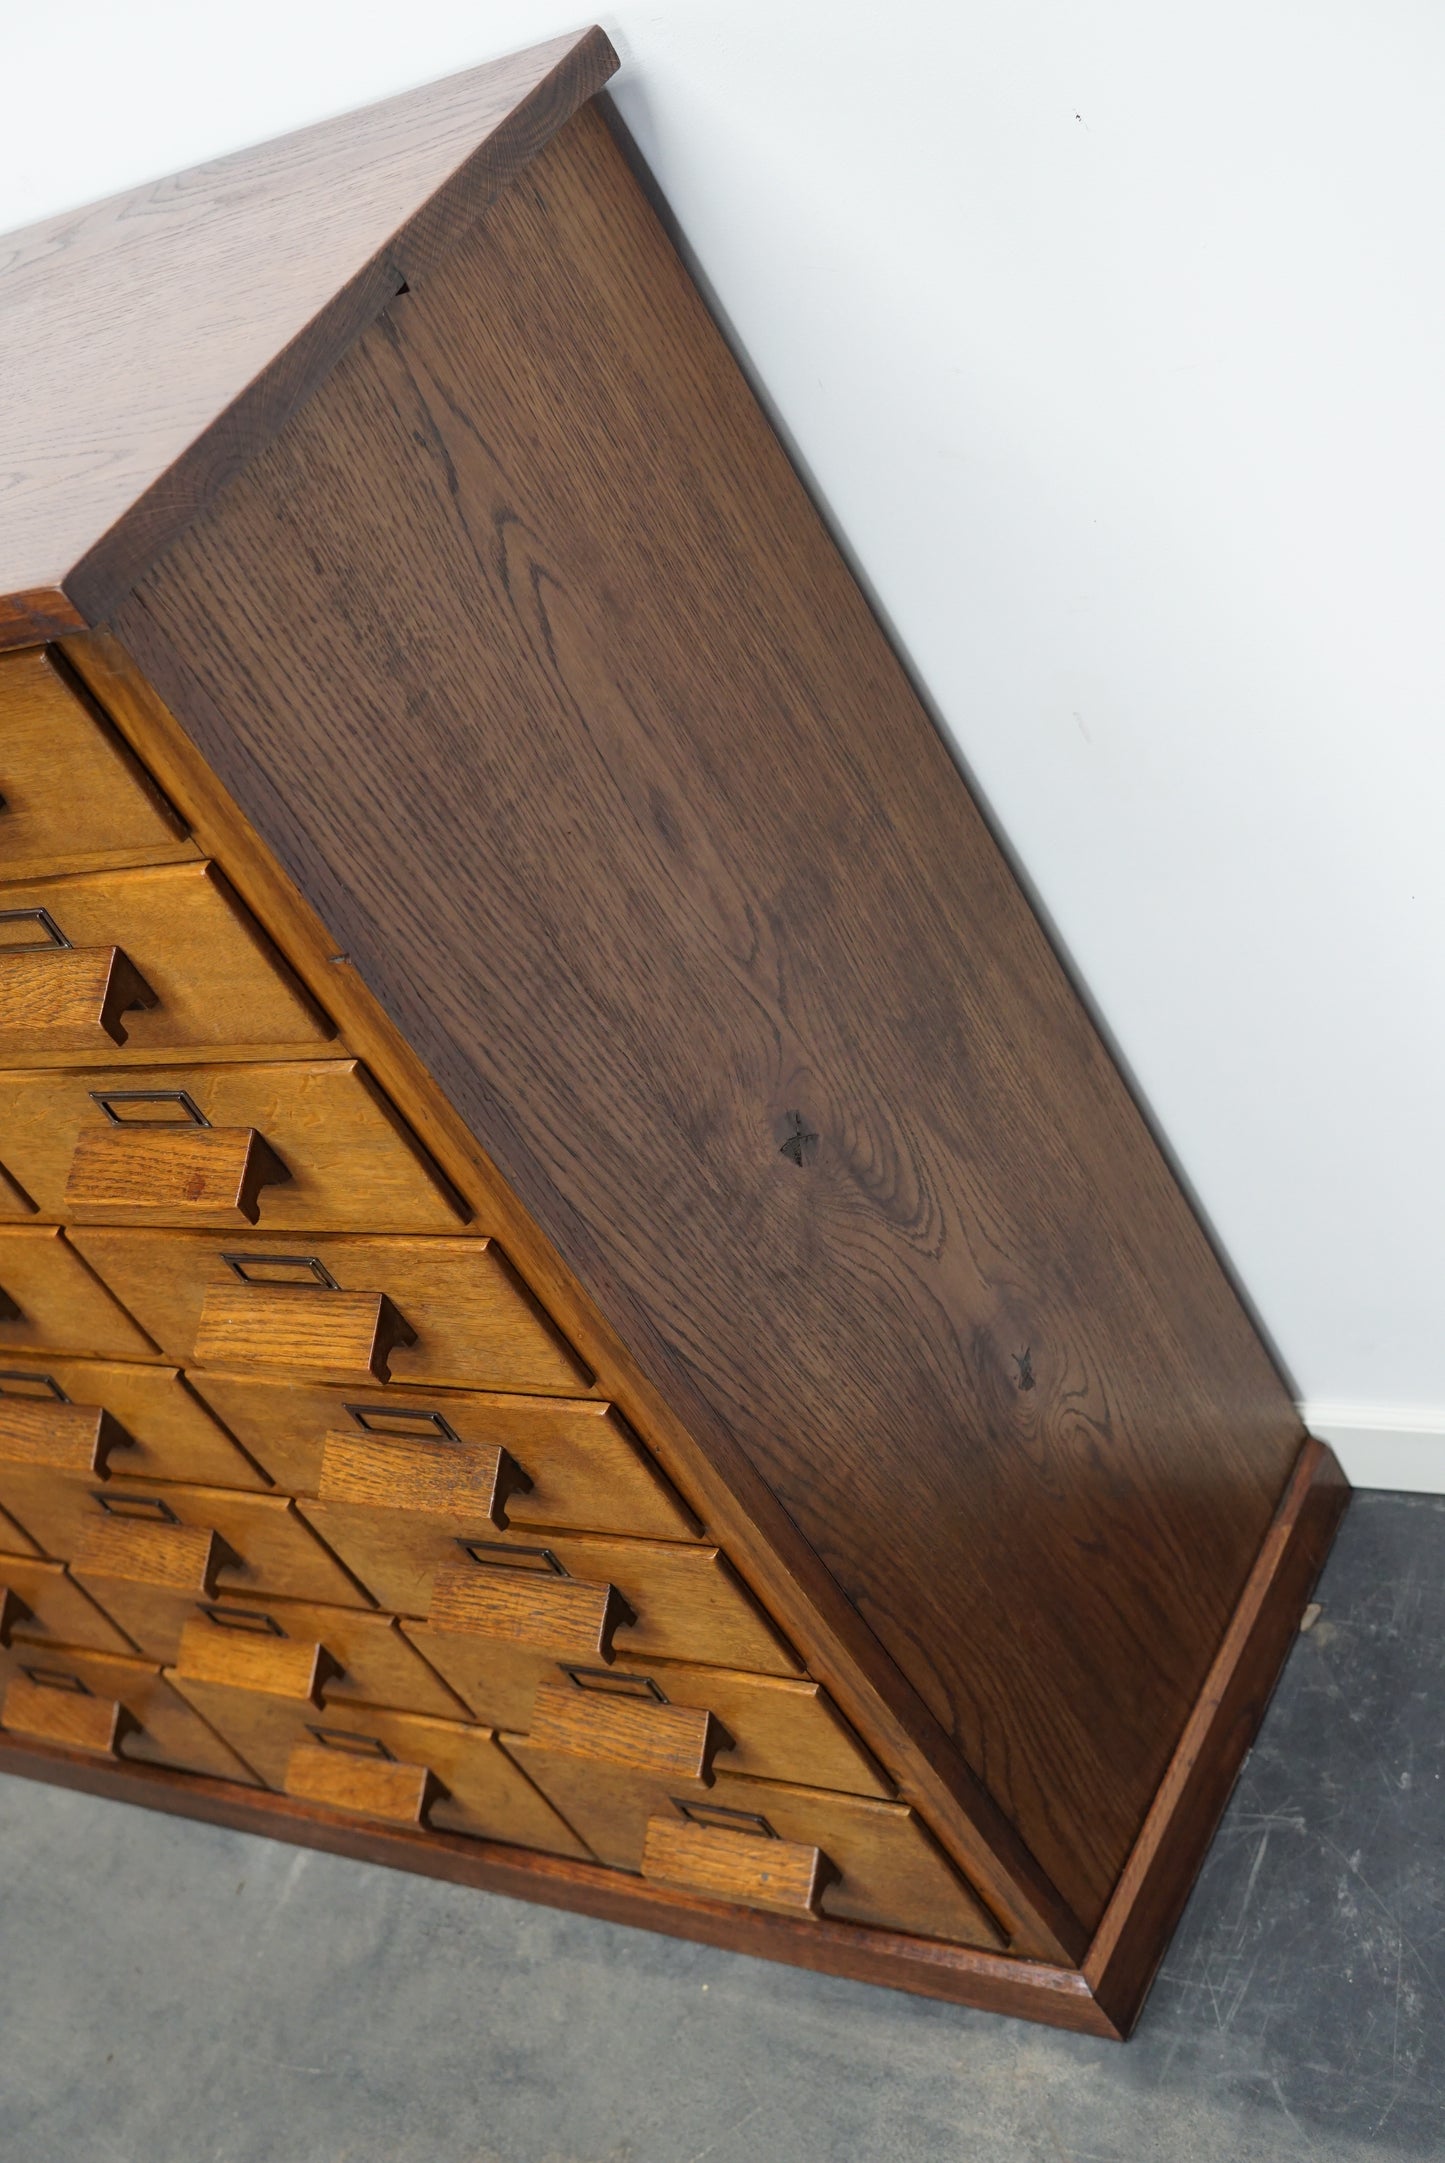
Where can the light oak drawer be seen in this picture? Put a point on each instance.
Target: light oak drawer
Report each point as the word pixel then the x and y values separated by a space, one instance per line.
pixel 74 797
pixel 207 975
pixel 110 1706
pixel 308 1143
pixel 337 1307
pixel 584 1465
pixel 153 1426
pixel 129 1541
pixel 336 1757
pixel 41 1604
pixel 574 1596
pixel 51 1301
pixel 887 1867
pixel 250 1639
pixel 778 1727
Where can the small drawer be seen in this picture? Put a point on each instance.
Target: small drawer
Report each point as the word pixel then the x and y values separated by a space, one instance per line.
pixel 52 1301
pixel 753 1869
pixel 41 1604
pixel 583 1464
pixel 246 1638
pixel 307 1143
pixel 111 1706
pixel 335 1756
pixel 337 1307
pixel 128 1541
pixel 777 1728
pixel 154 1427
pixel 192 971
pixel 884 1865
pixel 72 796
pixel 571 1595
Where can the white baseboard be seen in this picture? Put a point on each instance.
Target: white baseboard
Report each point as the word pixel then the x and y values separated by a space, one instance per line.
pixel 1384 1445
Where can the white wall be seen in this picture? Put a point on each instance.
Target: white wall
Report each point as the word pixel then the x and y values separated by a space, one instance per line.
pixel 1114 336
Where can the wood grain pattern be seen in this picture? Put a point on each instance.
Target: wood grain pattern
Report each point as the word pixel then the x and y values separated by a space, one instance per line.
pixel 116 1144
pixel 46 1607
pixel 583 1464
pixel 683 1602
pixel 171 1558
pixel 70 999
pixel 158 1727
pixel 985 1286
pixel 476 1324
pixel 373 1787
pixel 74 797
pixel 438 1477
pixel 349 1337
pixel 760 1873
pixel 368 1660
pixel 205 1174
pixel 957 1974
pixel 218 983
pixel 562 1617
pixel 166 1433
pixel 718 1477
pixel 70 1437
pixel 123 325
pixel 51 1301
pixel 668 1739
pixel 253 1660
pixel 64 1716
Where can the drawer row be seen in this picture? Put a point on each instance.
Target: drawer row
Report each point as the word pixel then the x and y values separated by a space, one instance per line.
pixel 653 1804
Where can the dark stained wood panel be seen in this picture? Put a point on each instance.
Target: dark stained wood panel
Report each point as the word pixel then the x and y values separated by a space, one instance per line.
pixel 609 784
pixel 151 342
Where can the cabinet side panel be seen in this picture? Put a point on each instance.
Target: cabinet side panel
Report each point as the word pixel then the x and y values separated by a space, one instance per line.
pixel 524 649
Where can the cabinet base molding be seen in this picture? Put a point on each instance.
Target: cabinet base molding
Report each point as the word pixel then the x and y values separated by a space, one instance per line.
pixel 1101 1998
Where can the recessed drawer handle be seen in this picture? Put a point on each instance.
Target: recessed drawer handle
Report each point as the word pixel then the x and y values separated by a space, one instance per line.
pixel 55 1706
pixel 410 1473
pixel 637 1731
pixel 179 1558
pixel 371 1785
pixel 242 1659
pixel 559 1615
pixel 344 1335
pixel 746 1867
pixel 208 1171
pixel 47 1431
pixel 68 998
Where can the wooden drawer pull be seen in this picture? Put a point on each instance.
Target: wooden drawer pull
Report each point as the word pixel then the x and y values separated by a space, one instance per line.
pixel 173 1171
pixel 48 1431
pixel 746 1867
pixel 254 1660
pixel 55 1706
pixel 345 1336
pixel 67 998
pixel 638 1731
pixel 373 1786
pixel 409 1473
pixel 181 1558
pixel 560 1615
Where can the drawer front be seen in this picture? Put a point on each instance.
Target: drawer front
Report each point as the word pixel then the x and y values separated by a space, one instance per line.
pixel 475 1788
pixel 119 1536
pixel 584 1465
pixel 246 1300
pixel 243 1637
pixel 685 1600
pixel 51 1300
pixel 887 1868
pixel 308 1143
pixel 207 974
pixel 165 1432
pixel 41 1604
pixel 74 797
pixel 111 1706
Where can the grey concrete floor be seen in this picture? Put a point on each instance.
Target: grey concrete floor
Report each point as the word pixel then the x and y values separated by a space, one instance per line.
pixel 176 1994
